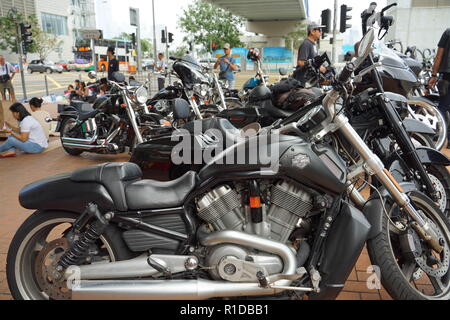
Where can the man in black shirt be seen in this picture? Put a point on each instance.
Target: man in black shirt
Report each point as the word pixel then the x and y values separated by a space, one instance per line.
pixel 113 65
pixel 442 65
pixel 308 51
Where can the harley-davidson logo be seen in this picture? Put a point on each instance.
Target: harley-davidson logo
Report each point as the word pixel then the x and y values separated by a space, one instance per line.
pixel 301 161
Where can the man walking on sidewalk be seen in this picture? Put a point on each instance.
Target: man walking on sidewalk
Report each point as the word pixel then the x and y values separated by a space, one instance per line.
pixel 7 73
pixel 160 66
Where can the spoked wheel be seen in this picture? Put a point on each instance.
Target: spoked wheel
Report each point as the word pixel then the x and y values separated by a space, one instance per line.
pixel 37 247
pixel 410 268
pixel 66 131
pixel 428 114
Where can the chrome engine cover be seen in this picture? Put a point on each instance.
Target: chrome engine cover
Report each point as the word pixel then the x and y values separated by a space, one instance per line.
pixel 234 263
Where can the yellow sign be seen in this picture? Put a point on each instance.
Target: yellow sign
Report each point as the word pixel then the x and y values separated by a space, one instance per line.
pixel 134 53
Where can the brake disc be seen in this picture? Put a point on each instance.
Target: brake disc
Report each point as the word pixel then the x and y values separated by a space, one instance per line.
pixel 440 268
pixel 439 187
pixel 48 278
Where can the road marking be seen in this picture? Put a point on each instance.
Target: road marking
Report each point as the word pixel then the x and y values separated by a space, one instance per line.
pixel 57 84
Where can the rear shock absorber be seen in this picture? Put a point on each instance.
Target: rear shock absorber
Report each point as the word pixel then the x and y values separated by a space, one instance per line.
pixel 81 246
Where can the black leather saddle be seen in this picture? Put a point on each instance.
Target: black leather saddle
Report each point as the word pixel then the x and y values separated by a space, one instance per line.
pixel 123 181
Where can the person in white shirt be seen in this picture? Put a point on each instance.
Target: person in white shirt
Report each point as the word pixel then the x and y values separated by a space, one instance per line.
pixel 29 137
pixel 160 66
pixel 41 115
pixel 7 73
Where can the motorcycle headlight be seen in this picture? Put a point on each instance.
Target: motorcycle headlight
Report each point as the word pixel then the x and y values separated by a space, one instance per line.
pixel 141 95
pixel 201 90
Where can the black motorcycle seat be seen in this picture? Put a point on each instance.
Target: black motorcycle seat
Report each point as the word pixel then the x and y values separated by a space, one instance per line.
pixel 113 176
pixel 81 106
pixel 82 116
pixel 152 194
pixel 275 112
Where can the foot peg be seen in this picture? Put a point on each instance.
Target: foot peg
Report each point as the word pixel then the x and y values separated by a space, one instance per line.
pixel 159 265
pixel 267 282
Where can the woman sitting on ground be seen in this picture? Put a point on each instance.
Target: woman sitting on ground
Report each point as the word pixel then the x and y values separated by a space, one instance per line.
pixel 29 137
pixel 83 92
pixel 40 115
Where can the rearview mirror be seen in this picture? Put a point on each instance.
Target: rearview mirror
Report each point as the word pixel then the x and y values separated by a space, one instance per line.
pixel 282 71
pixel 92 75
pixel 365 46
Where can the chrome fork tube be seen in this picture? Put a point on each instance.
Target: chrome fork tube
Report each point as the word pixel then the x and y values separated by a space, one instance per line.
pixel 377 167
pixel 219 89
pixel 194 106
pixel 132 117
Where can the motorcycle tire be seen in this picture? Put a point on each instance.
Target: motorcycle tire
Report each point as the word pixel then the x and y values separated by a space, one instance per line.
pixel 30 239
pixel 386 253
pixel 72 152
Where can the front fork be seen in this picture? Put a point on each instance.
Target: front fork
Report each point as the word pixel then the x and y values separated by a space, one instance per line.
pixel 408 148
pixel 374 166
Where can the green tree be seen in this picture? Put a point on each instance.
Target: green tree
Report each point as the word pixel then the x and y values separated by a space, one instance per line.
pixel 123 36
pixel 9 31
pixel 206 24
pixel 295 38
pixel 45 43
pixel 146 47
pixel 179 52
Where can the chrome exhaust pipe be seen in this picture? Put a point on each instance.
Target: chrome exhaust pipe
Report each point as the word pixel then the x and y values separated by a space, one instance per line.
pixel 137 267
pixel 165 290
pixel 84 146
pixel 194 289
pixel 80 141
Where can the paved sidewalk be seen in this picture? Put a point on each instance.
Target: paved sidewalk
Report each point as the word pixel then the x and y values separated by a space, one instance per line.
pixel 17 172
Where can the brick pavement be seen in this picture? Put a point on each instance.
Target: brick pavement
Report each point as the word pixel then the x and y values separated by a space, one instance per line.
pixel 22 170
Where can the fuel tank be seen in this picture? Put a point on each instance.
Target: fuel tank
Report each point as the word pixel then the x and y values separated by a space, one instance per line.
pixel 284 156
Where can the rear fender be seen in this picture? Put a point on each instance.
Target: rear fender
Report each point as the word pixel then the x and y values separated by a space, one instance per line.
pixel 63 116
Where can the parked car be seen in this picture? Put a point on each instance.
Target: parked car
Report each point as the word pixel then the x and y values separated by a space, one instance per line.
pixel 64 64
pixel 44 66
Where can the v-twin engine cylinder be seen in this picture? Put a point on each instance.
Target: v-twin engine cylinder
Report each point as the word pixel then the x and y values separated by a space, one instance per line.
pixel 224 209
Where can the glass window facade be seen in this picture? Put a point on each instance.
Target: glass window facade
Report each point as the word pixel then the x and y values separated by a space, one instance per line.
pixel 54 24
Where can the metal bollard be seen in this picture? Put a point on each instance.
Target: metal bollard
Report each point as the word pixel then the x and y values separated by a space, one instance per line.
pixel 46 85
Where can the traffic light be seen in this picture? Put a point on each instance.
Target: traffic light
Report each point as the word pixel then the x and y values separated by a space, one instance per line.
pixel 26 34
pixel 133 39
pixel 170 37
pixel 344 17
pixel 163 36
pixel 326 22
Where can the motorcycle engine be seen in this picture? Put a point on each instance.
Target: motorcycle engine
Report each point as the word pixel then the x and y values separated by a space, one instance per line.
pixel 224 208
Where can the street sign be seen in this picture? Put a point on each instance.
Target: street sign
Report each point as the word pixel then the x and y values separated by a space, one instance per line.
pixel 134 17
pixel 91 34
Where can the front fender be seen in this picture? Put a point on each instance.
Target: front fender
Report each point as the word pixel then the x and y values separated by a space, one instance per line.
pixel 430 156
pixel 413 125
pixel 373 208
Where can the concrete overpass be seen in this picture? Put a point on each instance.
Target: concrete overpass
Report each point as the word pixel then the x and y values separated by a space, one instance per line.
pixel 272 18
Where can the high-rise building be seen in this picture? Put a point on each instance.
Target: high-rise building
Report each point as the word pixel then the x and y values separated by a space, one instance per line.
pixel 62 18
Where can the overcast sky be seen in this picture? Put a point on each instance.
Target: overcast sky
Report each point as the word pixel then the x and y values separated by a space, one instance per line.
pixel 113 15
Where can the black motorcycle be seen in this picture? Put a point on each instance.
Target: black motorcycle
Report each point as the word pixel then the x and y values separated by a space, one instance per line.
pixel 284 227
pixel 118 120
